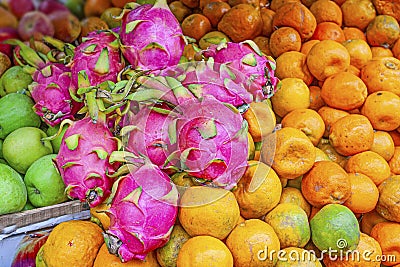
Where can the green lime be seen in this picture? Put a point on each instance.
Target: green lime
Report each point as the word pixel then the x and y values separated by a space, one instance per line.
pixel 16 111
pixel 12 190
pixel 335 228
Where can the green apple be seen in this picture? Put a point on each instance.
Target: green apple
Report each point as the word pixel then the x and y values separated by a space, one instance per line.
pixel 24 146
pixel 56 141
pixel 16 111
pixel 44 184
pixel 12 190
pixel 16 79
pixel 28 206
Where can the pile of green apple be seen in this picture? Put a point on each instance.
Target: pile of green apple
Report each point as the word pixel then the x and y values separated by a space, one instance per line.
pixel 28 177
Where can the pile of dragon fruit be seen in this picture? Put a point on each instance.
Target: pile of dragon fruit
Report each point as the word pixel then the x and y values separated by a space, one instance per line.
pixel 137 112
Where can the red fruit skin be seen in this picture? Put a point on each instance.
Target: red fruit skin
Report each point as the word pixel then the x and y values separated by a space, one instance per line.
pixel 35 24
pixel 5 34
pixel 20 7
pixel 28 248
pixel 51 6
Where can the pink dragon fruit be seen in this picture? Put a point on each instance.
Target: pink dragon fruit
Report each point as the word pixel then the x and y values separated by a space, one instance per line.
pixel 99 57
pixel 149 133
pixel 83 161
pixel 50 89
pixel 209 78
pixel 212 141
pixel 142 212
pixel 247 58
pixel 151 36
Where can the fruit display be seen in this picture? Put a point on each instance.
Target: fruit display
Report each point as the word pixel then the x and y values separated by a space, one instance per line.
pixel 203 132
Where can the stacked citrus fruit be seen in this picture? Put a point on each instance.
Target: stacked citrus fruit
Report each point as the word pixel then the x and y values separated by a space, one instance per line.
pixel 322 184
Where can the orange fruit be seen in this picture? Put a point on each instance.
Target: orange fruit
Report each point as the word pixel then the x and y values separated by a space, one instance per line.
pixel 251 241
pixel 394 162
pixel 275 4
pixel 326 183
pixel 382 110
pixel 261 120
pixel 382 74
pixel 326 11
pixel 388 236
pixel 294 195
pixel 353 70
pixel 395 136
pixel 263 43
pixel 267 16
pixel 292 153
pixel 360 52
pixel 316 101
pixel 72 243
pixel 293 64
pixel 328 31
pixel 371 164
pixel 292 94
pixel 90 24
pixel 351 134
pixel 344 90
pixel 208 211
pixel 191 3
pixel 358 13
pixel 369 220
pixel 396 49
pixel 297 16
pixel 95 7
pixel 306 120
pixel 351 33
pixel 204 250
pixel 383 30
pixel 367 254
pixel 388 7
pixel 214 11
pixel 364 193
pixel 383 144
pixel 105 258
pixel 290 223
pixel 306 46
pixel 389 199
pixel 241 22
pixel 258 191
pixel 196 26
pixel 379 51
pixel 330 115
pixel 284 39
pixel 327 58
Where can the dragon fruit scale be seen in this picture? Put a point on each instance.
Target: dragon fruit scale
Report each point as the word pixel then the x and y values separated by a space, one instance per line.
pixel 142 212
pixel 151 37
pixel 99 56
pixel 212 141
pixel 149 133
pixel 209 78
pixel 83 161
pixel 50 90
pixel 247 58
